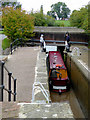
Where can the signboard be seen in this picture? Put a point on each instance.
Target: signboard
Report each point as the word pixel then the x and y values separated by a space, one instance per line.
pixel 51 48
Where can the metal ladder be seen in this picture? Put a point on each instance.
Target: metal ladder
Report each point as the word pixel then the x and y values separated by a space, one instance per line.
pixel 38 85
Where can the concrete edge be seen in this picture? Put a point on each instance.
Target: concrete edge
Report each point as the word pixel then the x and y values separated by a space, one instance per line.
pixel 3 58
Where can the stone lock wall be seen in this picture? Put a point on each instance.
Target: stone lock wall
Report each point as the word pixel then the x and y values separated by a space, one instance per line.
pixel 79 79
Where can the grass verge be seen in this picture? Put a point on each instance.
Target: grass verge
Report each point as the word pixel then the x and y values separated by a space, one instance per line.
pixel 62 23
pixel 1 32
pixel 6 43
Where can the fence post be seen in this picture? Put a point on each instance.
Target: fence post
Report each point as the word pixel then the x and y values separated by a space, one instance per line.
pixel 15 89
pixel 9 84
pixel 11 48
pixel 1 80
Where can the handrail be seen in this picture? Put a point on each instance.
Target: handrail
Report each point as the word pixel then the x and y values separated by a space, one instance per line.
pixel 35 85
pixel 3 87
pixel 59 41
pixel 15 44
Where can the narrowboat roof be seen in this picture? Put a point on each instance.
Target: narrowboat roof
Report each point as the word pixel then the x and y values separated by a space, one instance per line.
pixel 55 58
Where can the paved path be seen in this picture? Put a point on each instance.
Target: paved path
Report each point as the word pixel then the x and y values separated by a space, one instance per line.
pixel 22 65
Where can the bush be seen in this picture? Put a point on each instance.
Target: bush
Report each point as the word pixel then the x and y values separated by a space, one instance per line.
pixel 6 43
pixel 50 21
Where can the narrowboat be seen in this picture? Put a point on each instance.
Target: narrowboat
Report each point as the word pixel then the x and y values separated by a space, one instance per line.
pixel 58 77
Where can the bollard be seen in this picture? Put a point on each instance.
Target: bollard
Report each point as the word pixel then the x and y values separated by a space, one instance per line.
pixel 9 87
pixel 1 80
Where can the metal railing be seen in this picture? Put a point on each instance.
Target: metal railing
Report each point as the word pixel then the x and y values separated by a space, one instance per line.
pixel 3 87
pixel 34 41
pixel 38 85
pixel 21 42
pixel 15 44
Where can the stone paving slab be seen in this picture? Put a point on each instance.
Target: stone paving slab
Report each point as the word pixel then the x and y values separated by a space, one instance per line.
pixel 10 110
pixel 52 110
pixel 42 77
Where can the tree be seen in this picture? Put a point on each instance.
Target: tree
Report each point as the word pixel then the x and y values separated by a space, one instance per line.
pixel 17 24
pixel 74 18
pixel 41 9
pixel 15 5
pixel 4 4
pixel 60 10
pixel 79 18
pixel 41 19
pixel 50 20
pixel 52 14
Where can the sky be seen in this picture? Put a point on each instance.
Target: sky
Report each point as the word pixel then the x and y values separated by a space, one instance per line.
pixel 28 5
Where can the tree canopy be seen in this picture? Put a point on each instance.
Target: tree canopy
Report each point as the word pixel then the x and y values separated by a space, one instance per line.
pixel 5 3
pixel 59 10
pixel 40 19
pixel 79 18
pixel 17 24
pixel 15 5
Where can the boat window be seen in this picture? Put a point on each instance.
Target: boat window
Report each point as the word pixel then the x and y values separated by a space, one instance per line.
pixel 53 73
